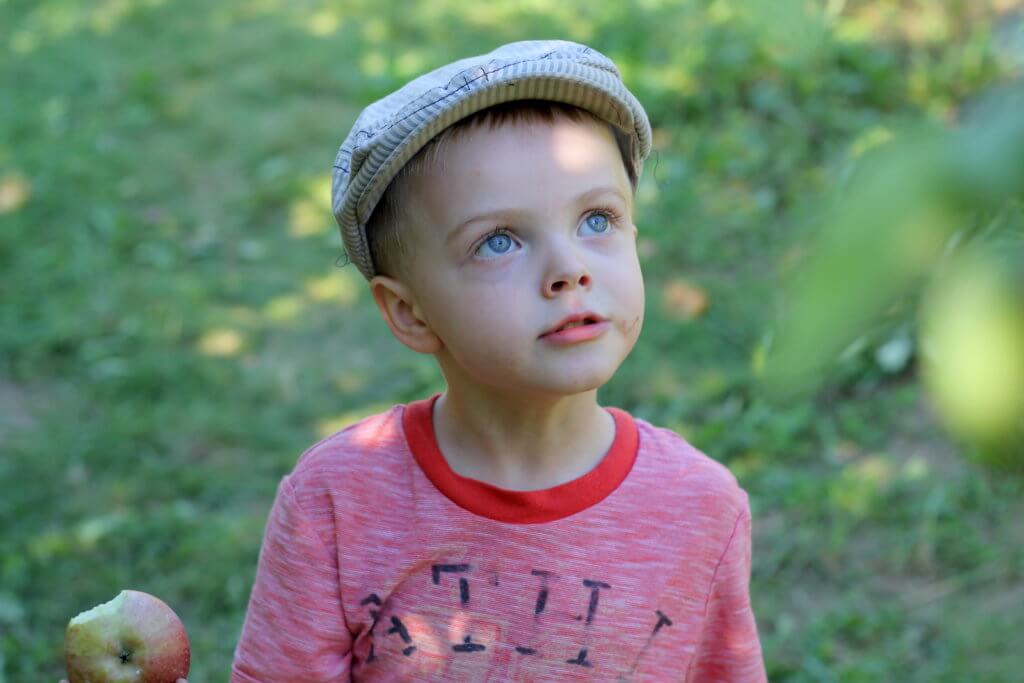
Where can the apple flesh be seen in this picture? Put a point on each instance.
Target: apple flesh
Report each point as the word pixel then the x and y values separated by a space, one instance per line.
pixel 134 638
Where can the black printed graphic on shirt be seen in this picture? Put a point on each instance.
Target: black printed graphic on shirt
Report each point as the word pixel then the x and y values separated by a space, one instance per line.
pixel 563 638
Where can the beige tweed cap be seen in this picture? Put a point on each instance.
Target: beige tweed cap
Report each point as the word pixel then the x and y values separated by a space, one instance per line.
pixel 389 132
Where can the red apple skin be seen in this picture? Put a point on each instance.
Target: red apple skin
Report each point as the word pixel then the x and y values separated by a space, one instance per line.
pixel 141 641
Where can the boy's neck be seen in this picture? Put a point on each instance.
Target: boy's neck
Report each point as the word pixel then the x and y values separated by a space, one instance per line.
pixel 521 444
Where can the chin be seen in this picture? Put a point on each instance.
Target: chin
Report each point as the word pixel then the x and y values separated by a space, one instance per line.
pixel 571 383
pixel 565 375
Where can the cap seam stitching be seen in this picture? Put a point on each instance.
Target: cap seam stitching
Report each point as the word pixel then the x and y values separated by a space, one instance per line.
pixel 483 75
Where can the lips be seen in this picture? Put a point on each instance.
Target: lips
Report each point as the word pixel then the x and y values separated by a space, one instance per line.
pixel 575 320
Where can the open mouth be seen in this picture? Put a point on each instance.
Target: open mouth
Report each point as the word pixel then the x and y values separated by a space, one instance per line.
pixel 584 321
pixel 578 323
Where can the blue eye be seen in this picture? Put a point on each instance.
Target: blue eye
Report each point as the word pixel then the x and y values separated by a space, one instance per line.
pixel 598 222
pixel 498 243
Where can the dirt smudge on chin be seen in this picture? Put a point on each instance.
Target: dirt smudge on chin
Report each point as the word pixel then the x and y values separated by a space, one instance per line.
pixel 627 328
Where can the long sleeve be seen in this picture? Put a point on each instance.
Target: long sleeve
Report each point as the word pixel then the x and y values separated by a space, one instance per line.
pixel 730 651
pixel 294 628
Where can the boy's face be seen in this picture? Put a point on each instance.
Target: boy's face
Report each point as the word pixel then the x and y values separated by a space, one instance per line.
pixel 516 228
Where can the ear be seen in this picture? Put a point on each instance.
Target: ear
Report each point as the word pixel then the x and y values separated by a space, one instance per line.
pixel 403 315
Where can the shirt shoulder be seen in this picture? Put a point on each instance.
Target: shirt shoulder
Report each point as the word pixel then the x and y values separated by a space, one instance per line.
pixel 357 449
pixel 351 473
pixel 687 476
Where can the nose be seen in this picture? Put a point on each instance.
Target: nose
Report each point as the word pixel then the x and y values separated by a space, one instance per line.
pixel 566 272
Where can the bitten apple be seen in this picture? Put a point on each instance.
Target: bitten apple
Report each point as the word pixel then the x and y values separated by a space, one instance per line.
pixel 134 638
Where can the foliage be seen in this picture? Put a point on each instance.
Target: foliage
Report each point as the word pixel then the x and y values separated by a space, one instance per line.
pixel 939 211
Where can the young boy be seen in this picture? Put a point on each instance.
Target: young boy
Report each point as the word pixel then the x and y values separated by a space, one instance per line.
pixel 510 528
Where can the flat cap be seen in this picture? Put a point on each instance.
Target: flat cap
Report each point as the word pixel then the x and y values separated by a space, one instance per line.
pixel 389 132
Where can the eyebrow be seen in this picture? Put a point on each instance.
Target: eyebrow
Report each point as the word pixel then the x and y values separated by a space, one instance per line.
pixel 494 213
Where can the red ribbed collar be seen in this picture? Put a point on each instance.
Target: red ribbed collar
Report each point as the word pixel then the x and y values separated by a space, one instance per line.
pixel 520 507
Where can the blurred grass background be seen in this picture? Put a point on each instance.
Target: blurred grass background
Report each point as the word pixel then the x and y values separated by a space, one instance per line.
pixel 175 328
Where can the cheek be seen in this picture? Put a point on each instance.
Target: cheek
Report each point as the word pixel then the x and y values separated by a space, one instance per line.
pixel 630 293
pixel 489 318
pixel 634 320
pixel 488 337
pixel 640 299
pixel 632 317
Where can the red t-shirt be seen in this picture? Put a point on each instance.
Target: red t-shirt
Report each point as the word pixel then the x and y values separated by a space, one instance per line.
pixel 380 563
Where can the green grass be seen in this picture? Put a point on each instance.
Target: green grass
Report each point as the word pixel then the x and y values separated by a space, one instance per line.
pixel 174 329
